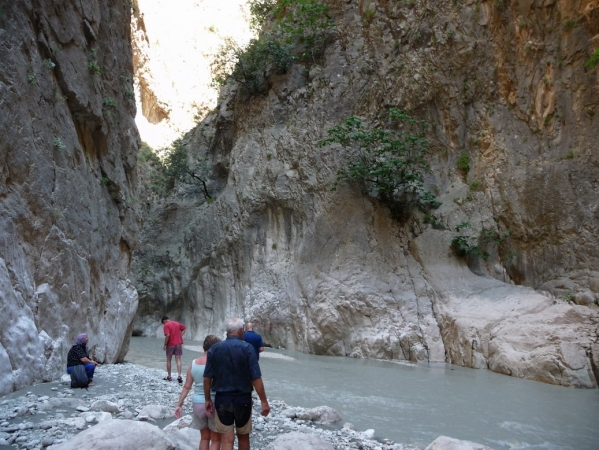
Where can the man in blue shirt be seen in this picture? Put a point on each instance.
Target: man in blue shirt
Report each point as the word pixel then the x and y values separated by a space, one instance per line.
pixel 232 371
pixel 253 338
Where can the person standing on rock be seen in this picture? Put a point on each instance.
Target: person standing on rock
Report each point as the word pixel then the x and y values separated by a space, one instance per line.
pixel 232 371
pixel 205 421
pixel 78 356
pixel 173 344
pixel 254 339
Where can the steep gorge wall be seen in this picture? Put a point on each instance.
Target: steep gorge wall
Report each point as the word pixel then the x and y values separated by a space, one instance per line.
pixel 68 155
pixel 332 272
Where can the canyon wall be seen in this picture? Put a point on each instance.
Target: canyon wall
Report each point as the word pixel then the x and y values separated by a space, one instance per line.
pixel 505 87
pixel 68 155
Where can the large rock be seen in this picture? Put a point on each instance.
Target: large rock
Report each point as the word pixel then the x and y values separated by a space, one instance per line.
pixel 119 435
pixel 321 414
pixel 299 441
pixel 509 329
pixel 155 411
pixel 447 443
pixel 68 147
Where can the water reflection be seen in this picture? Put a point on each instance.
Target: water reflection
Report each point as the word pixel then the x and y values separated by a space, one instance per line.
pixel 415 404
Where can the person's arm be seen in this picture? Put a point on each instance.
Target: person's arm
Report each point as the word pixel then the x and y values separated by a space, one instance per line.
pixel 208 400
pixel 261 345
pixel 86 360
pixel 184 392
pixel 183 328
pixel 259 386
pixel 166 338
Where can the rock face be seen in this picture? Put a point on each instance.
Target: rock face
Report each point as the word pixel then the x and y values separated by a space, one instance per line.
pixel 505 88
pixel 68 148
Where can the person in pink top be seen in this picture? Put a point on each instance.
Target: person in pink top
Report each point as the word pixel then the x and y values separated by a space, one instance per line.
pixel 173 344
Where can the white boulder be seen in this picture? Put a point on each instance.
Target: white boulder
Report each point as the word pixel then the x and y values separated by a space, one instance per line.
pixel 447 443
pixel 119 435
pixel 106 406
pixel 321 414
pixel 183 422
pixel 299 441
pixel 155 412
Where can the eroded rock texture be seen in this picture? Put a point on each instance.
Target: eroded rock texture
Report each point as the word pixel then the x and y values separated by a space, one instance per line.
pixel 68 148
pixel 503 83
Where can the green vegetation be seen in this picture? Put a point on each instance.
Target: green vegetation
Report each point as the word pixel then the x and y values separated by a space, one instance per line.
pixel 93 65
pixel 475 186
pixel 463 163
pixel 464 245
pixel 177 166
pixel 298 31
pixel 593 60
pixel 109 103
pixel 94 68
pixel 31 78
pixel 389 164
pixel 253 65
pixel 49 64
pixel 569 25
pixel 58 144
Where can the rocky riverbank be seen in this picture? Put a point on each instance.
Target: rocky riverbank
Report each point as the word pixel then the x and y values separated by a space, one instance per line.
pixel 51 415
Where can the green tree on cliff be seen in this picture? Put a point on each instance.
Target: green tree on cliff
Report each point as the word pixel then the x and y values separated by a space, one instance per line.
pixel 179 166
pixel 389 164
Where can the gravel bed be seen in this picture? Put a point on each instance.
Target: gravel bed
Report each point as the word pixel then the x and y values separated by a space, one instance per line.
pixel 47 414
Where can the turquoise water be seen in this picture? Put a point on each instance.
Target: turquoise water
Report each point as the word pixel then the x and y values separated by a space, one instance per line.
pixel 416 404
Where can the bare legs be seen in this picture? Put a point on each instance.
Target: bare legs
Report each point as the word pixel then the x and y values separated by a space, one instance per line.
pixel 178 361
pixel 243 441
pixel 215 440
pixel 168 364
pixel 209 440
pixel 228 439
pixel 205 439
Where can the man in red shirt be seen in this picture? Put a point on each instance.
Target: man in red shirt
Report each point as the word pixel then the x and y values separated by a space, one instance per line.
pixel 173 344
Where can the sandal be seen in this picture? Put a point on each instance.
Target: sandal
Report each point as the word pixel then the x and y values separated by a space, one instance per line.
pixel 180 380
pixel 167 379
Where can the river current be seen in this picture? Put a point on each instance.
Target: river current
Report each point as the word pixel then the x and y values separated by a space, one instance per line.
pixel 414 404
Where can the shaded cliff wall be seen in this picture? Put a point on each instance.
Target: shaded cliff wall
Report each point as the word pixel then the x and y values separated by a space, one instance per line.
pixel 503 83
pixel 68 147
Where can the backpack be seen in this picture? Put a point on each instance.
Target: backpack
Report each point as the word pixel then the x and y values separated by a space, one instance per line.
pixel 79 377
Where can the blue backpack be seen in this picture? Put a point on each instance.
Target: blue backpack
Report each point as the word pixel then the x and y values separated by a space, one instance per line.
pixel 79 377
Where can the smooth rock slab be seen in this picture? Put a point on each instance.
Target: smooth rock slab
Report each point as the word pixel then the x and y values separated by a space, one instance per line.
pixel 183 422
pixel 321 414
pixel 119 435
pixel 155 412
pixel 299 441
pixel 447 443
pixel 185 439
pixel 106 406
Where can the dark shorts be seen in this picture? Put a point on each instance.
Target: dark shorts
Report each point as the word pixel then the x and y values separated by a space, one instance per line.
pixel 176 350
pixel 233 410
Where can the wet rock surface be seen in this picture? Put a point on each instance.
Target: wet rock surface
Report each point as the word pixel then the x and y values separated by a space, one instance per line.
pixel 54 416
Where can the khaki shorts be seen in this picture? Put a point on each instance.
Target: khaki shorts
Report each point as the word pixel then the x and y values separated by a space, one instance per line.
pixel 233 411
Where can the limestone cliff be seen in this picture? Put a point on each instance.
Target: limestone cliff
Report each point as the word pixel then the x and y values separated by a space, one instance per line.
pixel 505 86
pixel 68 154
